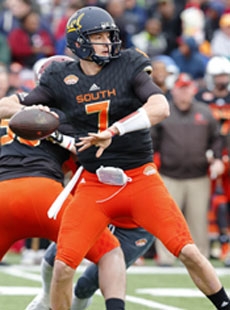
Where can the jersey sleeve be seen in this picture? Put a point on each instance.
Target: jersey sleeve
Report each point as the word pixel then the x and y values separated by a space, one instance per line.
pixel 138 61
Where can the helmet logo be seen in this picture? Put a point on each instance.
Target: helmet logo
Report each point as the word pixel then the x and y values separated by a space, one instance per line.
pixel 75 24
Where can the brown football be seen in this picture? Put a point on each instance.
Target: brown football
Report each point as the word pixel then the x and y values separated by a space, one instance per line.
pixel 33 124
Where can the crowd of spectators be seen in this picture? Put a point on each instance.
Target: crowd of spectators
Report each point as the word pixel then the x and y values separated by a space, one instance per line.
pixel 189 31
pixel 182 34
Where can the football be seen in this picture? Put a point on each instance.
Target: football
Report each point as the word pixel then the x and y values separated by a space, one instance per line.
pixel 33 124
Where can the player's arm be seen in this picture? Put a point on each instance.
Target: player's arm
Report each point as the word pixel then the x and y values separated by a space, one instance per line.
pixel 9 106
pixel 153 111
pixel 155 104
pixel 14 103
pixel 64 136
pixel 65 141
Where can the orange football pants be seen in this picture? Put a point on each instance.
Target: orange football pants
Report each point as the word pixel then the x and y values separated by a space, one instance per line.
pixel 24 203
pixel 145 200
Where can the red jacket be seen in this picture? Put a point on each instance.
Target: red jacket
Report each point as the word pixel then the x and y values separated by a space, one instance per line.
pixel 21 44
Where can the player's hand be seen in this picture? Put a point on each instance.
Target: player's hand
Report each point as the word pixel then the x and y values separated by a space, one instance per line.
pixel 101 140
pixel 40 107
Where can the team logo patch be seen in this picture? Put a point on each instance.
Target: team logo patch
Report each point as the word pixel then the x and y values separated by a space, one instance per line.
pixel 141 242
pixel 71 79
pixel 149 170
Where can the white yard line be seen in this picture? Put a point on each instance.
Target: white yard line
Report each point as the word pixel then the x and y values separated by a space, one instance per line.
pixel 171 292
pixel 20 273
pixel 147 303
pixel 19 290
pixel 29 272
pixel 132 270
pixel 150 304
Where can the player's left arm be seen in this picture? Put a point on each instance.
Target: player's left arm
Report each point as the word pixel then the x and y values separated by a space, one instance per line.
pixel 64 136
pixel 155 104
pixel 65 141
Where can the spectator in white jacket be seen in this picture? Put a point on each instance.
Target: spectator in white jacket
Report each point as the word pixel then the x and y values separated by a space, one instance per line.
pixel 220 43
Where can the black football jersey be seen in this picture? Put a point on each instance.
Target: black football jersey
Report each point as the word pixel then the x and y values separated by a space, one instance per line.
pixel 220 108
pixel 92 103
pixel 24 158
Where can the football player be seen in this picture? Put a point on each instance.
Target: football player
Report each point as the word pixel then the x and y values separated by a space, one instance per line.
pixel 31 178
pixel 111 102
pixel 135 241
pixel 216 95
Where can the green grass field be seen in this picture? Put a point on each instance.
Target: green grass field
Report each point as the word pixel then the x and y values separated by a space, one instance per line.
pixel 148 287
